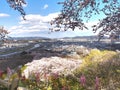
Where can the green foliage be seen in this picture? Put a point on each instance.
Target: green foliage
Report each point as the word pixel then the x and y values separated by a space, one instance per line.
pixel 23 68
pixel 105 65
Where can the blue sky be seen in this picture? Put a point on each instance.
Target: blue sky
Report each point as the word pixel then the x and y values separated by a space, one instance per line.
pixel 38 13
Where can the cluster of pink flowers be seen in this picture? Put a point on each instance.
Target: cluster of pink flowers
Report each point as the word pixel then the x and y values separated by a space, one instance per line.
pixel 1 73
pixel 97 82
pixel 64 88
pixel 83 82
pixel 9 72
pixel 55 75
pixel 37 77
pixel 82 79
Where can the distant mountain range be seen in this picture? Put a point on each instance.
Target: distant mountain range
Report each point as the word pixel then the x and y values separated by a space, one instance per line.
pixel 80 37
pixel 30 38
pixel 44 38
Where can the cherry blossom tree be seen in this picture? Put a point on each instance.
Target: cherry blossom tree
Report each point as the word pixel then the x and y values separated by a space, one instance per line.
pixel 76 12
pixel 17 5
pixel 3 34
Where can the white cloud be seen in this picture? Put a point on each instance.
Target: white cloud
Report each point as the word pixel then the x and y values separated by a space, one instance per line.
pixel 45 6
pixel 34 23
pixel 37 25
pixel 91 23
pixel 4 15
pixel 24 5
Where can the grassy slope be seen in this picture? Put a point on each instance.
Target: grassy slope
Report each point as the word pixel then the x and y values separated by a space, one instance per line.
pixel 102 64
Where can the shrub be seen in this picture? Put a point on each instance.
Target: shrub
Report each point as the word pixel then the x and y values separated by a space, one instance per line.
pixel 99 70
pixel 103 64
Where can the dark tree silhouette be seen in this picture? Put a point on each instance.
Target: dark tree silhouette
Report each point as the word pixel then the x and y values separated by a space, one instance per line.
pixel 75 12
